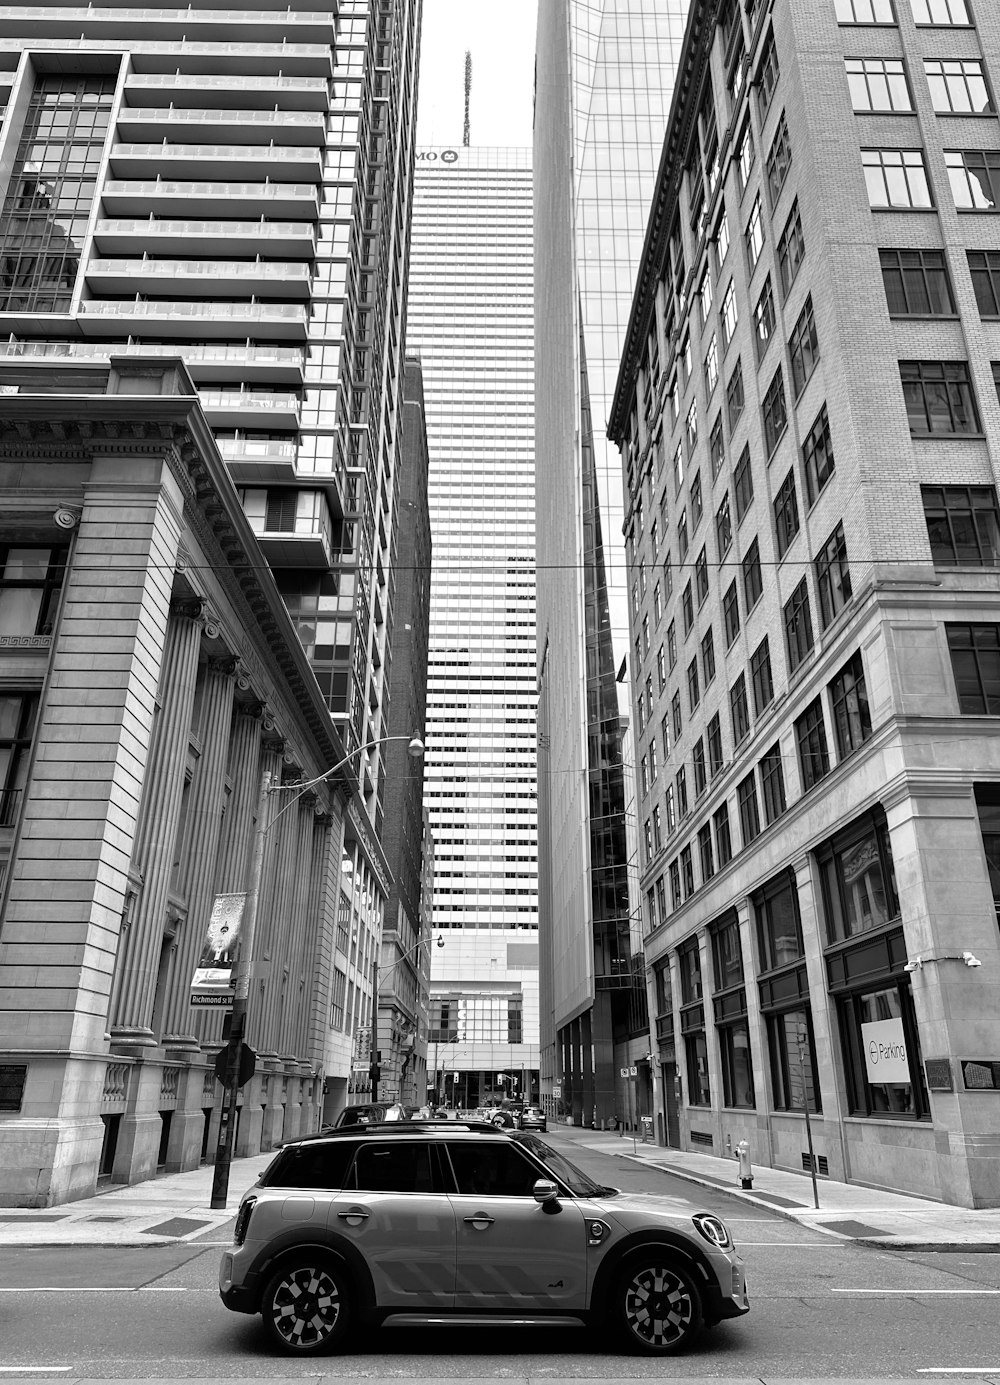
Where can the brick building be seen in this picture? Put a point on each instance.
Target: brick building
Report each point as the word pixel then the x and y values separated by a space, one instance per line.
pixel 809 422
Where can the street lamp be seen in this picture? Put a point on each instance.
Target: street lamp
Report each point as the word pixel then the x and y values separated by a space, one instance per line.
pixel 244 961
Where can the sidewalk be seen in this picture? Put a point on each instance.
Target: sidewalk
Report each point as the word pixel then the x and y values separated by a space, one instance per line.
pixel 847 1211
pixel 168 1210
pixel 174 1208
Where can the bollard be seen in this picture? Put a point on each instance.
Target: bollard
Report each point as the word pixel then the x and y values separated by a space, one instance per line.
pixel 746 1172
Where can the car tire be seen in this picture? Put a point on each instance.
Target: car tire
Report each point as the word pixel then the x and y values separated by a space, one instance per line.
pixel 656 1308
pixel 306 1306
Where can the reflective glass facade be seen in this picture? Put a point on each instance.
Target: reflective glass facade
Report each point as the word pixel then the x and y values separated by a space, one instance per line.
pixel 470 318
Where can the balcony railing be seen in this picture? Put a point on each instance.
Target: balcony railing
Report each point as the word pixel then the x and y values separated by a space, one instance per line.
pixel 170 114
pixel 144 187
pixel 214 269
pixel 249 399
pixel 256 312
pixel 239 355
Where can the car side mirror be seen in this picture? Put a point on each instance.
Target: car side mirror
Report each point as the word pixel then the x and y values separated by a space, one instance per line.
pixel 545 1191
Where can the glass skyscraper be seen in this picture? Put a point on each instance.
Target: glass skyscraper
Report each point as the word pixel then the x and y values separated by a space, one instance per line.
pixel 471 319
pixel 604 79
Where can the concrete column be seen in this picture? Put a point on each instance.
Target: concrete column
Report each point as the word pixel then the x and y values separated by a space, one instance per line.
pixel 204 821
pixel 159 819
pixel 299 985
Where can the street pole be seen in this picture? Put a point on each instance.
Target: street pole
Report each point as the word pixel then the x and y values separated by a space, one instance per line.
pixel 805 1108
pixel 227 1116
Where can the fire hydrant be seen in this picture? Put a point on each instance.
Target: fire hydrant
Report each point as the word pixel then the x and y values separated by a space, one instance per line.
pixel 746 1172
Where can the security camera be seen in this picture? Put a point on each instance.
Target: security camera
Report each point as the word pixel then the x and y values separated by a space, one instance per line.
pixel 970 960
pixel 913 966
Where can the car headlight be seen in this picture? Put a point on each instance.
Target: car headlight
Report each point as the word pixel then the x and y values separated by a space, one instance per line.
pixel 714 1230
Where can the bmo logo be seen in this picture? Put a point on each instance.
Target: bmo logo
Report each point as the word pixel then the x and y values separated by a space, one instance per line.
pixel 430 156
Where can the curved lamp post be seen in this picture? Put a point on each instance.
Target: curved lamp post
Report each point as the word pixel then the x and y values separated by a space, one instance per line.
pixel 244 961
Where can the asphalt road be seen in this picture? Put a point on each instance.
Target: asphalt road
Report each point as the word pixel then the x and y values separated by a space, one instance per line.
pixel 819 1309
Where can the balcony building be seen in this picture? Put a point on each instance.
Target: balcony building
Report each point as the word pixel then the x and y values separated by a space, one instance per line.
pixel 809 423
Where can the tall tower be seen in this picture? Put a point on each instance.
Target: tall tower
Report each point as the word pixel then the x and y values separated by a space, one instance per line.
pixel 471 318
pixel 604 75
pixel 233 186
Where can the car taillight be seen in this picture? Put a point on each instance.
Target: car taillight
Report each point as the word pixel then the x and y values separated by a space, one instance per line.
pixel 243 1220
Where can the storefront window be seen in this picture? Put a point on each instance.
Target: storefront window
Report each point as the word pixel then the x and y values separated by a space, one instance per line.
pixel 859 883
pixel 793 1061
pixel 882 1062
pixel 737 1064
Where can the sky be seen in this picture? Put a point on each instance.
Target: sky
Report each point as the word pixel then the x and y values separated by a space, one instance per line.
pixel 501 39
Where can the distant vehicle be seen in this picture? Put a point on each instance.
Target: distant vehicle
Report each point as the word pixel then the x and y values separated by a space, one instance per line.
pixel 426 1222
pixel 533 1118
pixel 370 1112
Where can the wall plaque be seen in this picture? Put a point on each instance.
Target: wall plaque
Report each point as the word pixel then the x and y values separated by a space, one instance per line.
pixel 939 1078
pixel 981 1074
pixel 12 1079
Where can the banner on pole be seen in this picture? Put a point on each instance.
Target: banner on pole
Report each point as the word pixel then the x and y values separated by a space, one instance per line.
pixel 212 983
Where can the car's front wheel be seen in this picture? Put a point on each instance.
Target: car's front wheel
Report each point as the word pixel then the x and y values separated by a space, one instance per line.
pixel 656 1307
pixel 306 1305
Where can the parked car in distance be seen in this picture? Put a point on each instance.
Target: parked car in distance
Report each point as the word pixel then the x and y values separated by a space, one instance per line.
pixel 426 1221
pixel 533 1118
pixel 368 1113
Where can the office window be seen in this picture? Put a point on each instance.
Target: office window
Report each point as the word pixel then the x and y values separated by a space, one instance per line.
pixel 672 643
pixel 833 577
pixel 864 11
pixel 652 761
pixel 640 713
pixel 723 527
pixel 817 455
pixel 31 579
pixel 721 242
pixel 708 656
pixel 661 669
pixel 754 234
pixel 940 12
pixel 753 583
pixel 791 249
pixel 675 885
pixel 712 365
pixel 701 577
pixel 878 84
pixel 682 535
pixel 963 525
pixel 681 792
pixel 767 77
pixel 810 736
pixel 698 767
pixel 697 505
pixel 687 872
pixel 763 318
pixel 739 709
pixel 775 412
pixel 644 776
pixel 657 829
pixel 705 297
pixel 798 626
pixel 668 576
pixel 745 154
pixel 691 427
pixel 693 685
pixel 716 447
pixel 975 178
pixel 705 853
pixel 803 348
pixel 714 738
pixel 916 283
pixel 786 513
pixel 675 710
pixel 938 396
pixel 731 613
pixel 730 313
pixel 645 634
pixel 858 878
pixel 957 85
pixel 779 927
pixel 975 663
pixel 723 839
pixel 995 367
pixel 18 713
pixel 760 677
pixel 743 484
pixel 687 608
pixel 668 807
pixel 648 840
pixel 896 178
pixel 779 160
pixel 677 467
pixel 984 266
pixel 661 902
pixel 734 393
pixel 657 603
pixel 852 724
pixel 665 735
pixel 772 784
pixel 746 798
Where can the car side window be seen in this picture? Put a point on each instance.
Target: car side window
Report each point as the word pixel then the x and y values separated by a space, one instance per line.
pixel 397 1167
pixel 319 1165
pixel 492 1168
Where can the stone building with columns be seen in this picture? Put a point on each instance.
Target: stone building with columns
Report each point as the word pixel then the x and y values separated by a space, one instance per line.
pixel 149 675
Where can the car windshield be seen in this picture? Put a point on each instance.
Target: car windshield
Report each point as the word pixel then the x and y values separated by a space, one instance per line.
pixel 579 1183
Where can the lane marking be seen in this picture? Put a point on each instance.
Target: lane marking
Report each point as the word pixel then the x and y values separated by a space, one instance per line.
pixel 958 1370
pixel 818 1245
pixel 85 1289
pixel 915 1292
pixel 37 1370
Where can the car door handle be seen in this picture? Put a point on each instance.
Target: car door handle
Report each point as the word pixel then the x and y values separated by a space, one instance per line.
pixel 355 1214
pixel 480 1220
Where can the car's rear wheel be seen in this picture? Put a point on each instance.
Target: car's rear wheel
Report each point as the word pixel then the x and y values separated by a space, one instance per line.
pixel 656 1307
pixel 306 1306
